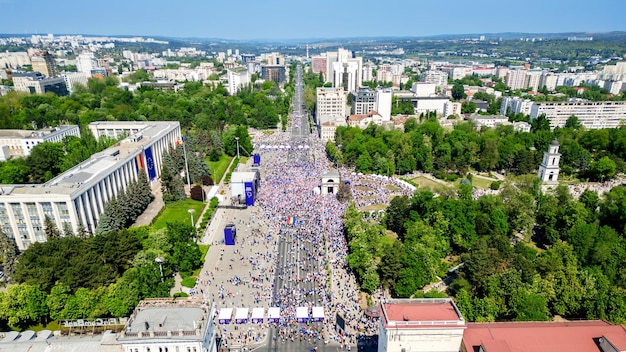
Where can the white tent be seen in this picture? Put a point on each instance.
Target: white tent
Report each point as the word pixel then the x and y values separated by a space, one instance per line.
pixel 241 316
pixel 302 314
pixel 257 315
pixel 318 314
pixel 226 314
pixel 273 314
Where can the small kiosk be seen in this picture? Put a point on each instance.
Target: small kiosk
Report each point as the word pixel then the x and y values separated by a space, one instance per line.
pixel 230 234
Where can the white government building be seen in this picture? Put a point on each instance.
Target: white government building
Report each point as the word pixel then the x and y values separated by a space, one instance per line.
pixel 18 143
pixel 79 195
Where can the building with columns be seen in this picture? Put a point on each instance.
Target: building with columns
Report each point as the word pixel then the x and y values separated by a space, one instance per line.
pixel 79 195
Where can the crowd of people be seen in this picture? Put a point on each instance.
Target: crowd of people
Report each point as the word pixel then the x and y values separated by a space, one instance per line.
pixel 294 250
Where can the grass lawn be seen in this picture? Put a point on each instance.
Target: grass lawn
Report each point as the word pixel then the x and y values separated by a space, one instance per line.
pixel 243 160
pixel 480 182
pixel 393 188
pixel 204 248
pixel 425 182
pixel 218 168
pixel 374 207
pixel 178 212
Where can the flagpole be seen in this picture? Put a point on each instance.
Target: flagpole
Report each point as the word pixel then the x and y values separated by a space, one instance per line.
pixel 186 164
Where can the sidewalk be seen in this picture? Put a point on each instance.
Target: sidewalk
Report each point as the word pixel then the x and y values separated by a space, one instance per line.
pixel 153 209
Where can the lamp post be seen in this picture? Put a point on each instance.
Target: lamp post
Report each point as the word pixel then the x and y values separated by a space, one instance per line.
pixel 237 139
pixel 160 261
pixel 191 211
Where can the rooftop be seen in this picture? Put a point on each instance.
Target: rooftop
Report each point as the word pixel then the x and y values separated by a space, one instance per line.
pixel 35 134
pixel 166 318
pixel 579 336
pixel 98 165
pixel 413 313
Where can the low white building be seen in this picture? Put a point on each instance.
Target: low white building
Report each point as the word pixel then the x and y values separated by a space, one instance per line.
pixel 363 121
pixel 490 121
pixel 21 142
pixel 328 129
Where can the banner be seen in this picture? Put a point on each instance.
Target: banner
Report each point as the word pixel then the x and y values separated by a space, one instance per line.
pixel 249 190
pixel 150 164
pixel 256 160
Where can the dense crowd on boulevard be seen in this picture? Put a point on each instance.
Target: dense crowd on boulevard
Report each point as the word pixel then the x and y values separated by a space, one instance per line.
pixel 290 189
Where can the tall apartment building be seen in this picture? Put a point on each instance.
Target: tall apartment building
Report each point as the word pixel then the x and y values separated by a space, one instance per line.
pixel 548 80
pixel 591 114
pixel 515 105
pixel 86 62
pixel 79 195
pixel 44 62
pixel 379 100
pixel 72 78
pixel 368 70
pixel 344 70
pixel 274 73
pixel 516 79
pixel 331 104
pixel 532 80
pixel 237 77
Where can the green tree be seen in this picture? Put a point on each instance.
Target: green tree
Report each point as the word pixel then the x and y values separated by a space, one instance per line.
pixel 573 122
pixel 50 229
pixel 458 91
pixel 44 161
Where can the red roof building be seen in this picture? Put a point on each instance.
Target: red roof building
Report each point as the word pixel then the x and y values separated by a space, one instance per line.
pixel 422 325
pixel 579 336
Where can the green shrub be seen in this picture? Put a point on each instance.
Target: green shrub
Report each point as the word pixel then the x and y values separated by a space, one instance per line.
pixel 452 177
pixel 181 294
pixel 495 185
pixel 189 281
pixel 440 175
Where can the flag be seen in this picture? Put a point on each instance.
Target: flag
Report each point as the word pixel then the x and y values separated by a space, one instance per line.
pixel 180 141
pixel 291 220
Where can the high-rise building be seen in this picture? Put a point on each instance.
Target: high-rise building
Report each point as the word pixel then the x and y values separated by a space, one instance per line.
pixel 86 62
pixel 44 62
pixel 237 77
pixel 548 80
pixel 379 100
pixel 515 105
pixel 331 104
pixel 344 70
pixel 273 73
pixel 515 79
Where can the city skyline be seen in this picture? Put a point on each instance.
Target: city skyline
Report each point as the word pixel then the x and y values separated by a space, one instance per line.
pixel 281 19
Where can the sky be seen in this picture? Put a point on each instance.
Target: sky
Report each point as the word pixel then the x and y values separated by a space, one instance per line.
pixel 284 19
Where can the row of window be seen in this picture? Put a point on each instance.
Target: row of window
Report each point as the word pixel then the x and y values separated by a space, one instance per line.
pixel 163 349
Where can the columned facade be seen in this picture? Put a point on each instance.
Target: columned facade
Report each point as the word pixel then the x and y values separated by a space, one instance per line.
pixel 80 195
